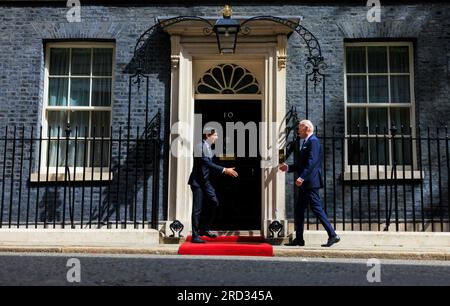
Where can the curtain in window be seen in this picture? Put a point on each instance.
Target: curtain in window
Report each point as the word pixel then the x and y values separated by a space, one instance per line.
pixel 84 75
pixel 101 92
pixel 57 91
pixel 59 61
pixel 81 62
pixel 102 62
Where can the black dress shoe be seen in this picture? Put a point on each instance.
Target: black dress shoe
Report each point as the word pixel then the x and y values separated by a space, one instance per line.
pixel 208 234
pixel 296 242
pixel 331 241
pixel 197 240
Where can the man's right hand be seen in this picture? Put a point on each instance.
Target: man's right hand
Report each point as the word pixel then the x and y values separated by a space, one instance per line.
pixel 231 172
pixel 283 167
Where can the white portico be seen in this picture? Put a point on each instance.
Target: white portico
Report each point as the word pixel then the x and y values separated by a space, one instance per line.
pixel 262 53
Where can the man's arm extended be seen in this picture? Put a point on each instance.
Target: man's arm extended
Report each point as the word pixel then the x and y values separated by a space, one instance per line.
pixel 219 169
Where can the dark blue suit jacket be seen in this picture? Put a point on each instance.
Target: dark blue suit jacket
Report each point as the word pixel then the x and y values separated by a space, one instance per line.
pixel 308 165
pixel 203 165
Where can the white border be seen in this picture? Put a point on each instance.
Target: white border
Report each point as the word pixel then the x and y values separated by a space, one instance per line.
pixel 53 170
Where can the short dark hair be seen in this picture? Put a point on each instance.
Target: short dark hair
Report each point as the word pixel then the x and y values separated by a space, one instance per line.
pixel 208 131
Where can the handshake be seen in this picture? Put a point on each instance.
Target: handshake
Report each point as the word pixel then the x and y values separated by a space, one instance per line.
pixel 284 167
pixel 231 172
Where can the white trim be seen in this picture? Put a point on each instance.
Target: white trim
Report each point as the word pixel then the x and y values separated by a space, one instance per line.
pixel 227 97
pixel 382 174
pixel 388 106
pixel 194 59
pixel 44 123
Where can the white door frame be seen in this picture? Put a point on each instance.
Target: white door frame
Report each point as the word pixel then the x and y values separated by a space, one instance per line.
pixel 267 60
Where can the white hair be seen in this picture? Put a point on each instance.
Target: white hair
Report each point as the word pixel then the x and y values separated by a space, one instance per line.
pixel 308 123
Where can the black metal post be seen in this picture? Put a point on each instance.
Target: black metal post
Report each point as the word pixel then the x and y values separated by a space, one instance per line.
pixel 30 156
pixel 393 130
pixel 66 177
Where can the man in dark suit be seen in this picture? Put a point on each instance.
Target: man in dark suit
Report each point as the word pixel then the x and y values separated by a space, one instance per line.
pixel 308 171
pixel 201 187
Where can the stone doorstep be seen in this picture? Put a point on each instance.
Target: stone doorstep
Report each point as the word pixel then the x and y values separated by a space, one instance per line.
pixel 133 239
pixel 359 239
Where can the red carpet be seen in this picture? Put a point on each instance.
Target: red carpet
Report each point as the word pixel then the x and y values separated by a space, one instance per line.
pixel 228 246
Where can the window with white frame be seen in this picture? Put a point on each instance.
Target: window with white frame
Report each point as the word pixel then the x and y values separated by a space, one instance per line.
pixel 379 84
pixel 79 80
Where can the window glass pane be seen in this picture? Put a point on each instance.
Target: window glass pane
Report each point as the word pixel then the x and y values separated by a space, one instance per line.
pixel 356 59
pixel 101 156
pixel 218 76
pixel 81 62
pixel 399 59
pixel 206 89
pixel 357 151
pixel 79 92
pixel 57 91
pixel 377 146
pixel 356 116
pixel 378 117
pixel 56 153
pixel 400 89
pixel 101 92
pixel 400 117
pixel 228 73
pixel 402 151
pixel 59 61
pixel 378 89
pixel 377 59
pixel 238 73
pixel 101 120
pixel 79 120
pixel 102 62
pixel 356 89
pixel 80 148
pixel 57 120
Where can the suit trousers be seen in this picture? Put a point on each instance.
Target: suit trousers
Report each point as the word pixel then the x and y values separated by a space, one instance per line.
pixel 310 197
pixel 202 218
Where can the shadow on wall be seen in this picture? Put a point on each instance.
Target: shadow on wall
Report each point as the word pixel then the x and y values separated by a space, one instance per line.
pixel 153 57
pixel 131 176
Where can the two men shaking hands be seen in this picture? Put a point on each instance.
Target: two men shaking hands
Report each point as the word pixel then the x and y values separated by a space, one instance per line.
pixel 308 170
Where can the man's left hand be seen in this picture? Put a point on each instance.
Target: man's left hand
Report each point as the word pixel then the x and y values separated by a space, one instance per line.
pixel 299 182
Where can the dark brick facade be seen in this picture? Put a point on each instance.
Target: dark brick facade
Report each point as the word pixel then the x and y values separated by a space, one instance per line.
pixel 24 30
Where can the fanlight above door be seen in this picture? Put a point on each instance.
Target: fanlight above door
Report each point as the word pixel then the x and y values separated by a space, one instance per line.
pixel 228 79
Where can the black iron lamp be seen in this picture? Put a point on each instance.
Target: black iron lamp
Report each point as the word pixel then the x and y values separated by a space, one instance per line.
pixel 226 30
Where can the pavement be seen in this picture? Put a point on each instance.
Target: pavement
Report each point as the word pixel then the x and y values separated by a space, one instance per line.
pixel 335 251
pixel 362 245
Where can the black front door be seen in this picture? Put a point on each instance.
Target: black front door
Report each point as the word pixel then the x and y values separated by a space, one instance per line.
pixel 239 198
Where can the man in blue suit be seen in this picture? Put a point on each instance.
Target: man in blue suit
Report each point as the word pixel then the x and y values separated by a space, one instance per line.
pixel 201 187
pixel 308 170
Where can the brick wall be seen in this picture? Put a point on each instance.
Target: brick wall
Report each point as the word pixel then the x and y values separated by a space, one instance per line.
pixel 23 31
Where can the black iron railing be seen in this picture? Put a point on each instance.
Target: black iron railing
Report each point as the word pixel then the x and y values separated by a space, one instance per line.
pixel 66 179
pixel 393 180
pixel 396 180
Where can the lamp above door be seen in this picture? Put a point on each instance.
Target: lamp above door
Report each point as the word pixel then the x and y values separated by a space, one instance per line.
pixel 226 30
